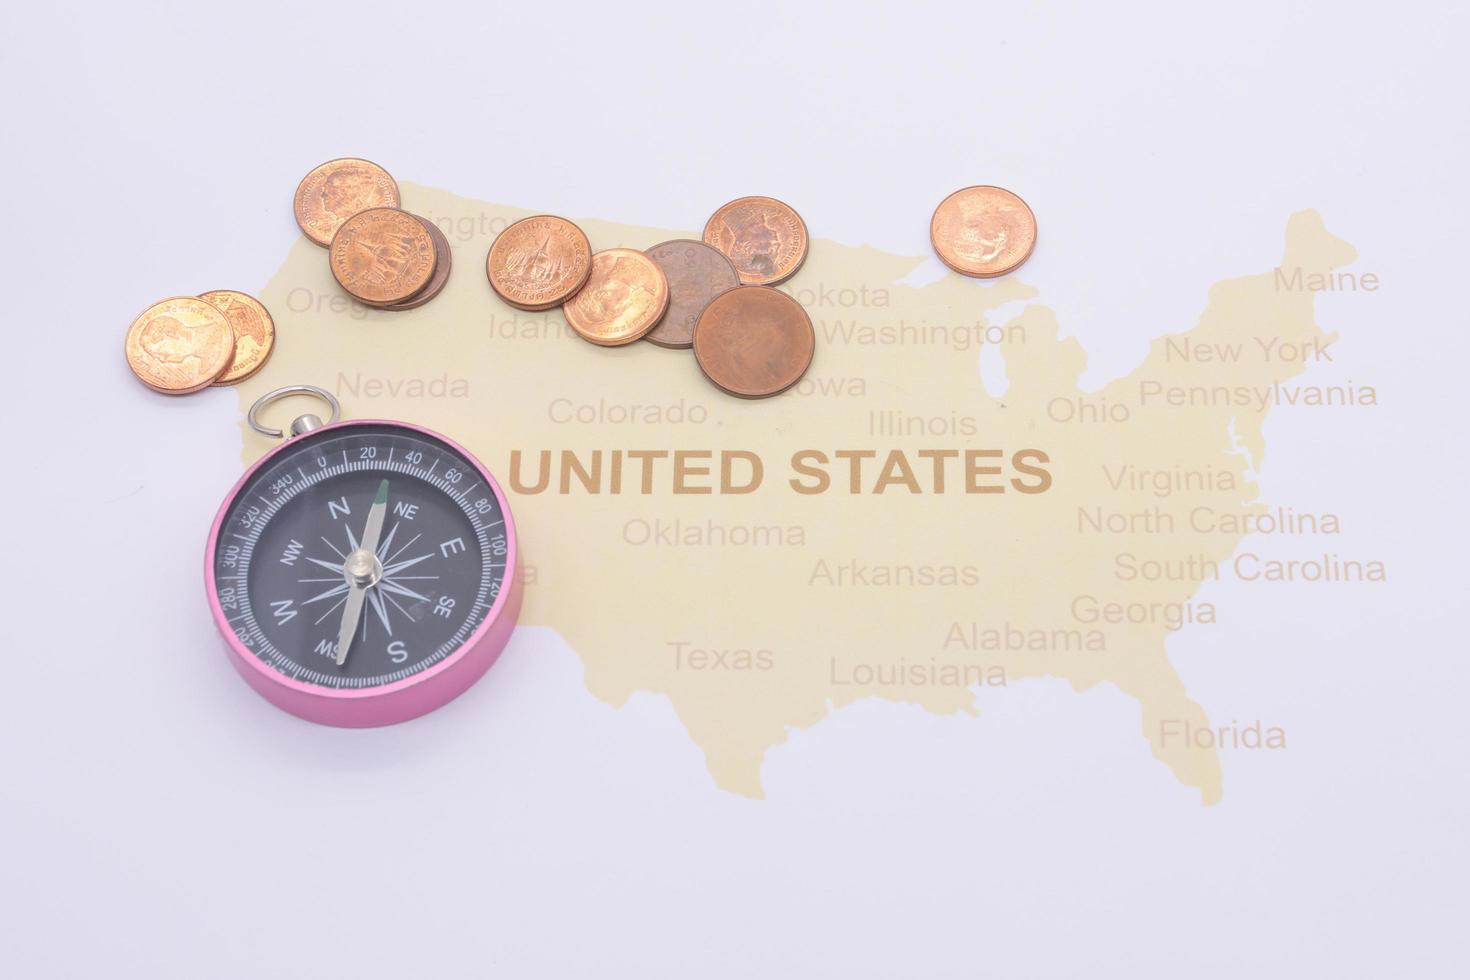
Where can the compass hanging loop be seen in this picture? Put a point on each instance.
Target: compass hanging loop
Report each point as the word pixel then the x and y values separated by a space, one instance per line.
pixel 301 424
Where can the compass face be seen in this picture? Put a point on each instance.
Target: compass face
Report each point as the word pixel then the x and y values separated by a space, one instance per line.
pixel 296 566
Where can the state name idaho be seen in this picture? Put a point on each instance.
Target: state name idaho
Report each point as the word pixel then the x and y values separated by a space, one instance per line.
pixel 886 529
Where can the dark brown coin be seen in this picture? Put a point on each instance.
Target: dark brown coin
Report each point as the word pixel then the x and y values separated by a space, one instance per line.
pixel 442 262
pixel 754 341
pixel 697 273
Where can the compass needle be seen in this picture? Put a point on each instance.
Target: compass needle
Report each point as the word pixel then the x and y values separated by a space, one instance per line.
pixel 363 570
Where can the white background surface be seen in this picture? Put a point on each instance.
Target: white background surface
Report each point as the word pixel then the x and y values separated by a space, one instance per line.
pixel 160 820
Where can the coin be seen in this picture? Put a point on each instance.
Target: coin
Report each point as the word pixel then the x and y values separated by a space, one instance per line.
pixel 624 298
pixel 697 273
pixel 337 190
pixel 983 231
pixel 382 255
pixel 539 262
pixel 254 330
pixel 754 341
pixel 443 260
pixel 180 344
pixel 764 239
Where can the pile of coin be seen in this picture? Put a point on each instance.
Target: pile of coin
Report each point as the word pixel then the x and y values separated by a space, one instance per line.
pixel 714 296
pixel 187 343
pixel 381 255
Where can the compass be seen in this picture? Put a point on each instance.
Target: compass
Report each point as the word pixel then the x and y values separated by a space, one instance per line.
pixel 363 572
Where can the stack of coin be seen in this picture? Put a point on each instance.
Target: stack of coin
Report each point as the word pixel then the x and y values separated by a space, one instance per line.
pixel 381 255
pixel 758 341
pixel 187 343
pixel 753 340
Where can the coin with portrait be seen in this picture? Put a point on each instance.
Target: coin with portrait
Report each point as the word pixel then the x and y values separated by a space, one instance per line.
pixel 179 345
pixel 754 341
pixel 624 297
pixel 338 189
pixel 983 231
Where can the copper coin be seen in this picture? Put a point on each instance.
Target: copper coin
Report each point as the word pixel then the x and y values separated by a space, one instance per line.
pixel 624 298
pixel 983 231
pixel 539 262
pixel 383 255
pixel 255 332
pixel 697 273
pixel 180 344
pixel 754 341
pixel 337 190
pixel 764 239
pixel 443 260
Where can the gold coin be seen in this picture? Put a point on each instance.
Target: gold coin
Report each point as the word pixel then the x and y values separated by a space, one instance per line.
pixel 255 332
pixel 338 189
pixel 180 344
pixel 763 238
pixel 383 255
pixel 538 262
pixel 983 231
pixel 624 297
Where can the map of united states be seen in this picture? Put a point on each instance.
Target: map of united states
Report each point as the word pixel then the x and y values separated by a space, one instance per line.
pixel 894 527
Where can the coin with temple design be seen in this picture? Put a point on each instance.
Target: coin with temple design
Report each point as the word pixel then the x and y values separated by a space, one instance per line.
pixel 383 255
pixel 443 263
pixel 539 262
pixel 763 238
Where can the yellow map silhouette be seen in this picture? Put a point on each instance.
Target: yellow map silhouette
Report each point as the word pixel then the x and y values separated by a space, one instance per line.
pixel 761 612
